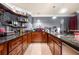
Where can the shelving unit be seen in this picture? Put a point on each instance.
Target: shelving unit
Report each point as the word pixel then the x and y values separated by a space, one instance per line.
pixel 10 19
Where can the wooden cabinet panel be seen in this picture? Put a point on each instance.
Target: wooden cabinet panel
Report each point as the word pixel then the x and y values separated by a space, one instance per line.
pixel 55 45
pixel 13 52
pixel 20 53
pixel 24 37
pixel 37 37
pixel 16 50
pixel 14 43
pixel 44 37
pixel 3 49
pixel 29 38
pixel 57 50
pixel 25 44
pixel 19 48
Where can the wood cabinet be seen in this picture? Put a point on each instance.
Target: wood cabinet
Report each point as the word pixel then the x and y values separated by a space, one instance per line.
pixel 17 50
pixel 44 37
pixel 55 45
pixel 18 45
pixel 50 43
pixel 36 37
pixel 29 38
pixel 15 46
pixel 25 43
pixel 3 49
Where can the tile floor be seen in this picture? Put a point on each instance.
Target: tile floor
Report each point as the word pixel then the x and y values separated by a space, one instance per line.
pixel 38 49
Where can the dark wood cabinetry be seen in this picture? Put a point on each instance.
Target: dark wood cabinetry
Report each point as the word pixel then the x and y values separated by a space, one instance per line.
pixel 55 45
pixel 18 45
pixel 15 46
pixel 29 37
pixel 25 43
pixel 37 37
pixel 14 43
pixel 44 37
pixel 3 49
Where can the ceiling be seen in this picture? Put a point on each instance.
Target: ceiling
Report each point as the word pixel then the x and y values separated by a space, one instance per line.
pixel 49 8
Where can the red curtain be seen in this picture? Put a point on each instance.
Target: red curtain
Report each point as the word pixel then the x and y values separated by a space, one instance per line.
pixel 73 23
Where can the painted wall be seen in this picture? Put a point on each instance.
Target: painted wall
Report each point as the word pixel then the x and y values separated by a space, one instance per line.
pixel 49 22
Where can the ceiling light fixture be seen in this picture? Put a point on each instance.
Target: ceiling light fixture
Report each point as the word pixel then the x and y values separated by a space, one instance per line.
pixel 64 10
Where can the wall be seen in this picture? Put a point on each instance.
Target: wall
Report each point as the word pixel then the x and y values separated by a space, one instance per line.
pixel 49 22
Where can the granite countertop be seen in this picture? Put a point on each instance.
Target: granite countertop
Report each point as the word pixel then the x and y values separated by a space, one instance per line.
pixel 9 37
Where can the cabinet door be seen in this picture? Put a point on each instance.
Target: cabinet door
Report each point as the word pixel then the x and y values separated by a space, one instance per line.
pixel 44 37
pixel 29 38
pixel 14 43
pixel 16 50
pixel 54 45
pixel 25 44
pixel 3 49
pixel 57 50
pixel 37 37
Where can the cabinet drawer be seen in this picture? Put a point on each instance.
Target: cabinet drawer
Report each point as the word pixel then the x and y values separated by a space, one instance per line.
pixel 20 53
pixel 29 38
pixel 24 38
pixel 3 49
pixel 14 43
pixel 44 37
pixel 16 50
pixel 19 48
pixel 25 44
pixel 57 50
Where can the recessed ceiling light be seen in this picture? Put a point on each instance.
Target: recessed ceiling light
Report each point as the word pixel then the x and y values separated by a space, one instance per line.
pixel 63 10
pixel 54 17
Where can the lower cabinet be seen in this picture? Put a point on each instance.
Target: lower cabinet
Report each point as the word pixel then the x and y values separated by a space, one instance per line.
pixel 36 37
pixel 25 43
pixel 44 37
pixel 17 50
pixel 18 45
pixel 15 46
pixel 3 49
pixel 57 49
pixel 55 45
pixel 29 38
